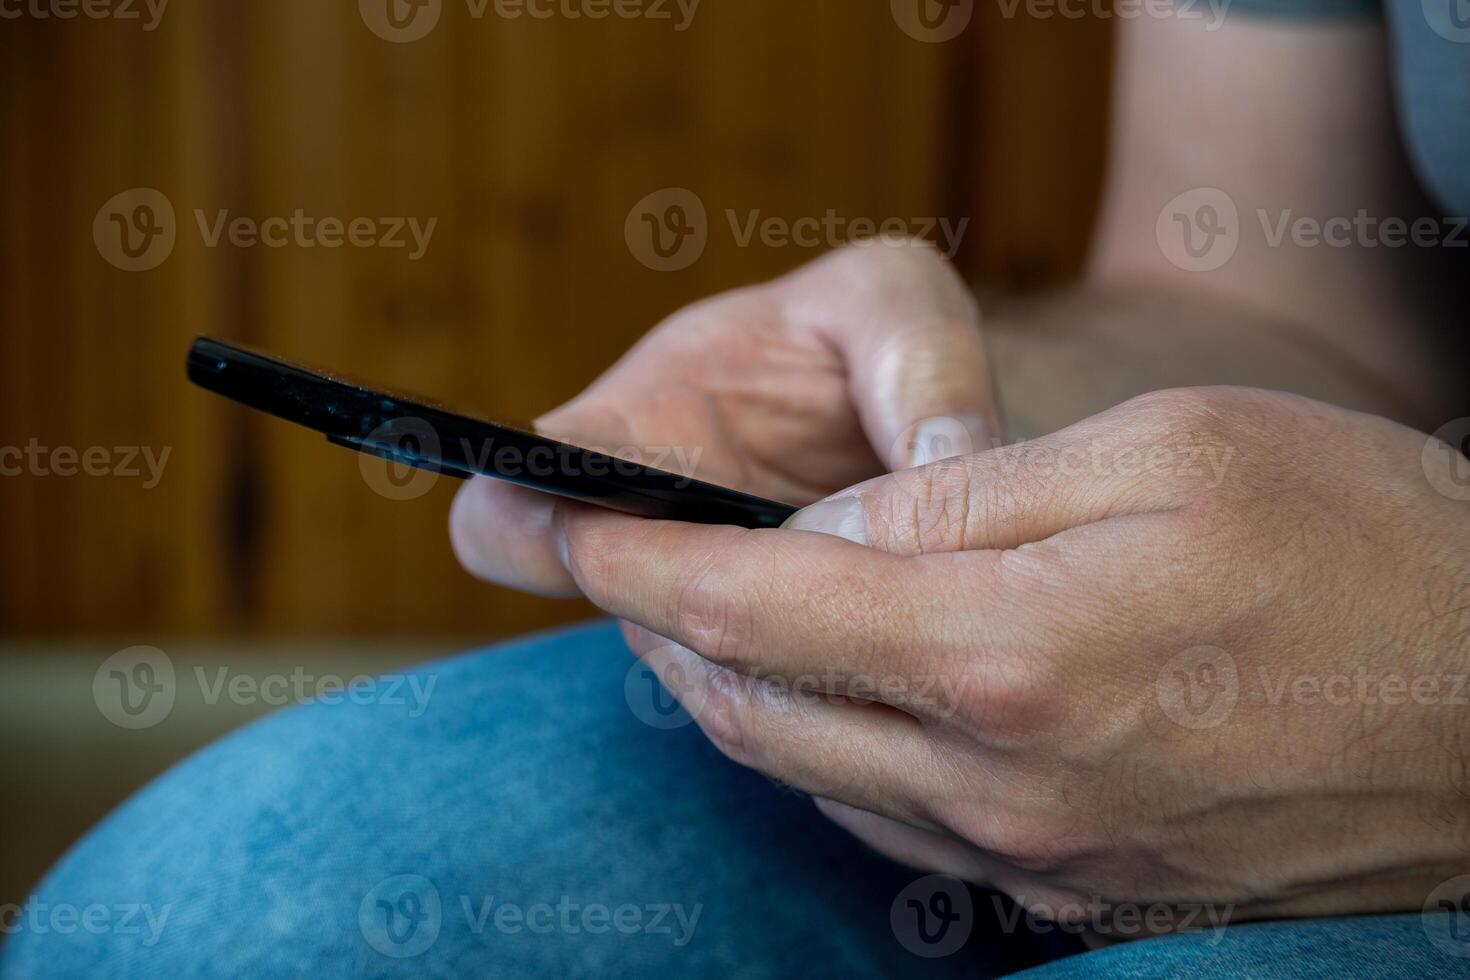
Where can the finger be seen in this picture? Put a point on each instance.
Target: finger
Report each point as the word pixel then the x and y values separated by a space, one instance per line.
pixel 908 330
pixel 1151 455
pixel 866 755
pixel 916 847
pixel 502 533
pixel 800 607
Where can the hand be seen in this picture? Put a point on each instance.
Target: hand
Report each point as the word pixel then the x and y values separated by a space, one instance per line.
pixel 1206 648
pixel 789 390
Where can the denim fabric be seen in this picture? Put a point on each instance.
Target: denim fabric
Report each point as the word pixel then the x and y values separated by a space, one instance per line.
pixel 1379 947
pixel 544 816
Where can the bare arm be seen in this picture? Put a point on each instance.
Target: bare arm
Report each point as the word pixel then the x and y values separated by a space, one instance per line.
pixel 1289 120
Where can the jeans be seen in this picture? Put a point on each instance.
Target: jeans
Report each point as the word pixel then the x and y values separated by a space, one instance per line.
pixel 546 811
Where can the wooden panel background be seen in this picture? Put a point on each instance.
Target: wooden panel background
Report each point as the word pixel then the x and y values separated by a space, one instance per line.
pixel 529 140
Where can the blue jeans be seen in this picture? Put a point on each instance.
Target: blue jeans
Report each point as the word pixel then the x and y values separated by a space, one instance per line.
pixel 547 812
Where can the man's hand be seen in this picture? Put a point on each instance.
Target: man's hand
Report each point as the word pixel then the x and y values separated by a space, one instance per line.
pixel 1208 647
pixel 869 357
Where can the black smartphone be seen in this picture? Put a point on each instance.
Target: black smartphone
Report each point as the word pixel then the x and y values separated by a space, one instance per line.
pixel 414 432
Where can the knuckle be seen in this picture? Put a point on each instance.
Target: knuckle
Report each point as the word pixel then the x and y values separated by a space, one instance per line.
pixel 725 716
pixel 1183 411
pixel 893 266
pixel 930 509
pixel 1012 706
pixel 1187 438
pixel 1016 693
pixel 715 618
pixel 1031 841
pixel 587 555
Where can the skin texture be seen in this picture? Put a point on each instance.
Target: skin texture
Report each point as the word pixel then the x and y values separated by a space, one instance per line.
pixel 1024 627
pixel 1194 641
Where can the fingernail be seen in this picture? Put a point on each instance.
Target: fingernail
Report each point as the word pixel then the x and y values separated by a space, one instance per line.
pixel 842 518
pixel 950 435
pixel 559 539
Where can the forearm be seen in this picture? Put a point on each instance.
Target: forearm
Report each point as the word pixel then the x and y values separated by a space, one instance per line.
pixel 1063 356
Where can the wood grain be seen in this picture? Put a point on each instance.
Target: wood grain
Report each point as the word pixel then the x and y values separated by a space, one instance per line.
pixel 529 141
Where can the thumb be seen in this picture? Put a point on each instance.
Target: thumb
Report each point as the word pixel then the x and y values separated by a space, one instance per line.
pixel 908 330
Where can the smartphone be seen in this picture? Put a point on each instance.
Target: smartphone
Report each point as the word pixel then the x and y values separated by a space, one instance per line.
pixel 415 432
